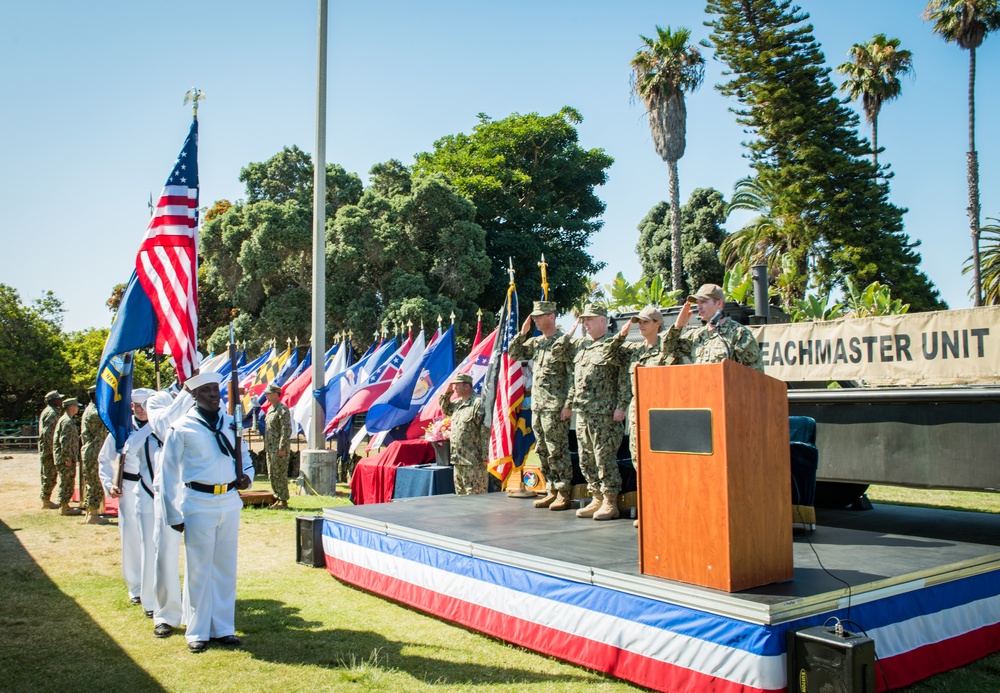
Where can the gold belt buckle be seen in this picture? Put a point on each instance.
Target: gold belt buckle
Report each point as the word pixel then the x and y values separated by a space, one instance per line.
pixel 219 488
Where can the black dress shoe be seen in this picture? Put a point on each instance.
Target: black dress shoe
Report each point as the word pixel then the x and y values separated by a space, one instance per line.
pixel 162 630
pixel 136 601
pixel 197 646
pixel 228 640
pixel 149 614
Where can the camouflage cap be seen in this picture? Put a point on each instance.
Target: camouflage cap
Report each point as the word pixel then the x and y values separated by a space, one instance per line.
pixel 273 389
pixel 71 402
pixel 543 308
pixel 708 292
pixel 53 394
pixel 594 310
pixel 650 313
pixel 463 378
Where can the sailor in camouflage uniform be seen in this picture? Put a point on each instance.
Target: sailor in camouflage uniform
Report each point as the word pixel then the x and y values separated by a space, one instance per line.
pixel 92 434
pixel 599 394
pixel 552 376
pixel 46 430
pixel 469 437
pixel 278 446
pixel 718 338
pixel 66 453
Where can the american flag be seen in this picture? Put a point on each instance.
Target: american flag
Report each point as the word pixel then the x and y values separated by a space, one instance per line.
pixel 167 263
pixel 509 396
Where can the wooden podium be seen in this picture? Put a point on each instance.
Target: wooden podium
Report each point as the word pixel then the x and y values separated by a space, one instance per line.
pixel 714 476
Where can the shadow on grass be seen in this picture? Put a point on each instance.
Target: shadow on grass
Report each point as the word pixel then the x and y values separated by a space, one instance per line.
pixel 276 633
pixel 49 642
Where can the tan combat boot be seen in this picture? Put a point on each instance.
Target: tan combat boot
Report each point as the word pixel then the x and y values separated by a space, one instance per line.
pixel 64 509
pixel 595 504
pixel 609 509
pixel 94 517
pixel 563 501
pixel 48 505
pixel 546 501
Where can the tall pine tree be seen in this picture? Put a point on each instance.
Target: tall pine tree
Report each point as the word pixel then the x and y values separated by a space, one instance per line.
pixel 838 217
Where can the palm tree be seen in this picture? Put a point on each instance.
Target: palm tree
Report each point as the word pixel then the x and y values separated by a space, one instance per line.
pixel 967 22
pixel 663 69
pixel 991 263
pixel 873 76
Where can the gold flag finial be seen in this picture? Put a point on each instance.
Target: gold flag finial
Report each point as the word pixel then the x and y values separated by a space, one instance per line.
pixel 193 96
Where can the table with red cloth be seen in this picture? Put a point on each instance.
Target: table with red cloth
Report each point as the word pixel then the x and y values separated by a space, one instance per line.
pixel 374 477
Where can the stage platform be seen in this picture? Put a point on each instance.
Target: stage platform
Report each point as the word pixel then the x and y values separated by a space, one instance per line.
pixel 924 584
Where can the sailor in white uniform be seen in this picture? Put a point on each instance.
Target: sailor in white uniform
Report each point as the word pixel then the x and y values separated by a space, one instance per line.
pixel 136 454
pixel 164 408
pixel 200 481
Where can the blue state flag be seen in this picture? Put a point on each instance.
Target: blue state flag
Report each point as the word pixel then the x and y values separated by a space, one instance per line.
pixel 404 398
pixel 134 328
pixel 339 390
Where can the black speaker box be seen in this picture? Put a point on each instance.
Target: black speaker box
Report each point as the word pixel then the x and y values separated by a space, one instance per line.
pixel 309 541
pixel 821 660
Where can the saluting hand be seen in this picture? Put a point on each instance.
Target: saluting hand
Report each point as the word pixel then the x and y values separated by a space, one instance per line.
pixel 526 327
pixel 684 317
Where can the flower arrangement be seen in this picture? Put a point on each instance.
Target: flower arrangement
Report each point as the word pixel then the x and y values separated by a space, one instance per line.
pixel 438 430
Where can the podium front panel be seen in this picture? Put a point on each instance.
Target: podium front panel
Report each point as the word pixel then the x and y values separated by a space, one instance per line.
pixel 713 501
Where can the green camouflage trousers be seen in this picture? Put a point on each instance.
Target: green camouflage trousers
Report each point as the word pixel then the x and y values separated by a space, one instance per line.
pixel 470 479
pixel 552 446
pixel 49 475
pixel 598 437
pixel 95 492
pixel 277 472
pixel 633 443
pixel 67 483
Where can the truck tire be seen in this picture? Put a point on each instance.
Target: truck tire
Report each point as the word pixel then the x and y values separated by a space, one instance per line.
pixel 833 494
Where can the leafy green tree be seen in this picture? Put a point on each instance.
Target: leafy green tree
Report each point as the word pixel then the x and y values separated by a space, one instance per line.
pixel 702 234
pixel 410 250
pixel 532 185
pixel 83 350
pixel 31 357
pixel 967 23
pixel 665 68
pixel 257 254
pixel 873 76
pixel 805 148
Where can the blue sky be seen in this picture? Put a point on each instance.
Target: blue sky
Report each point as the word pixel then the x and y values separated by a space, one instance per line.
pixel 93 114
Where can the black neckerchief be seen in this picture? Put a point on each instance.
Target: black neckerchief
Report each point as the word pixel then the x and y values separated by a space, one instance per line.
pixel 216 428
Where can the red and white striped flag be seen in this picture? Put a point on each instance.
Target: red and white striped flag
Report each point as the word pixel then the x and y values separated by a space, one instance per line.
pixel 509 397
pixel 167 263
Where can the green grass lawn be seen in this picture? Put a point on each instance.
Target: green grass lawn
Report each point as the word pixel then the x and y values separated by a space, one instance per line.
pixel 67 623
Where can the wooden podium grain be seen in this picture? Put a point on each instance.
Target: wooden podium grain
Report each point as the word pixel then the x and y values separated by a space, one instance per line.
pixel 717 519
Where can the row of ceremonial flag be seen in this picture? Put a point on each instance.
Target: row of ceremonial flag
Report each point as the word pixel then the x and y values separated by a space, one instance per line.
pixel 396 385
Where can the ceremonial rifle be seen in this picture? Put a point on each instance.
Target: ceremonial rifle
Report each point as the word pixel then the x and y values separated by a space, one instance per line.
pixel 119 475
pixel 235 405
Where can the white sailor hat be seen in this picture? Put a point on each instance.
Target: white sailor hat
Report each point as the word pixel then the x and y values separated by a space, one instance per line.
pixel 196 381
pixel 141 394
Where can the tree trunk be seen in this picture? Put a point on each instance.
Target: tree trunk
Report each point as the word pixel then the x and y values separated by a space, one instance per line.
pixel 676 257
pixel 973 176
pixel 875 144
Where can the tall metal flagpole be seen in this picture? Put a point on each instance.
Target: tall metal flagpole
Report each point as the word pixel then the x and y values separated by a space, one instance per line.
pixel 317 468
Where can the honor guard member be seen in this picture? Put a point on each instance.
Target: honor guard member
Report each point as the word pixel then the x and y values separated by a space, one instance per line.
pixel 552 376
pixel 277 446
pixel 92 434
pixel 599 396
pixel 644 353
pixel 46 431
pixel 133 458
pixel 718 337
pixel 163 409
pixel 200 496
pixel 469 437
pixel 66 453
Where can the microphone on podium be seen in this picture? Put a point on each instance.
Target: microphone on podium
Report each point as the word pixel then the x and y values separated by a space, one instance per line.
pixel 714 322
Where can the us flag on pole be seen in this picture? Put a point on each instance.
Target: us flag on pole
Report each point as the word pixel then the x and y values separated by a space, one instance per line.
pixel 509 396
pixel 167 263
